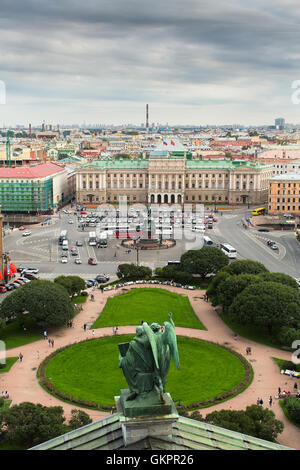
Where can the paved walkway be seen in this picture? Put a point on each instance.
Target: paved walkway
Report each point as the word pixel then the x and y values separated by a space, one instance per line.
pixel 22 384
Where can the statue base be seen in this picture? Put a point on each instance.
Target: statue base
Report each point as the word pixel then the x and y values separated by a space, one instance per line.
pixel 146 416
pixel 145 404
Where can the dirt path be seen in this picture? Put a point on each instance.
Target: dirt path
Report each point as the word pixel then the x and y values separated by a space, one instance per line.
pixel 22 384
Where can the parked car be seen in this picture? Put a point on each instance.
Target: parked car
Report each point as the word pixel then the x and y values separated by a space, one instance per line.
pixel 71 221
pixel 79 243
pixel 9 286
pixel 15 284
pixel 106 276
pixel 26 233
pixel 78 261
pixel 274 246
pixel 30 276
pixel 22 283
pixel 30 270
pixel 92 261
pixel 22 227
pixel 90 282
pixel 24 279
pixel 263 229
pixel 3 289
pixel 64 259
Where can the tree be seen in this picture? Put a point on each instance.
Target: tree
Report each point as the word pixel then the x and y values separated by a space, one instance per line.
pixel 173 273
pixel 215 282
pixel 288 335
pixel 46 303
pixel 255 421
pixel 207 260
pixel 73 284
pixel 78 419
pixel 247 266
pixel 28 424
pixel 131 271
pixel 231 286
pixel 266 304
pixel 281 278
pixel 293 408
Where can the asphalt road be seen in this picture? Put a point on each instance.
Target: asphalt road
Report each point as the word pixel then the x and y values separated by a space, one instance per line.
pixel 41 248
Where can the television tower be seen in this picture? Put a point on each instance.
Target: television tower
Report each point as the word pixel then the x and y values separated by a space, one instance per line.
pixel 147 117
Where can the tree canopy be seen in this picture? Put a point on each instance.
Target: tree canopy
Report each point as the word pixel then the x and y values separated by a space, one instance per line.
pixel 207 260
pixel 266 304
pixel 231 286
pixel 255 421
pixel 73 284
pixel 281 278
pixel 247 266
pixel 45 302
pixel 131 271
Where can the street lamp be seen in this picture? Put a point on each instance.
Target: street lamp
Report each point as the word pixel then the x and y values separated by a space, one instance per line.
pixel 136 247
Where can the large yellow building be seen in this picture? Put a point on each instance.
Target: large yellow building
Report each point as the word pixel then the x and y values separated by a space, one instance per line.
pixel 172 177
pixel 284 194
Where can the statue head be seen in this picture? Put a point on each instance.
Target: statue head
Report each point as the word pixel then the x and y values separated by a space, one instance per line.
pixel 155 327
pixel 139 331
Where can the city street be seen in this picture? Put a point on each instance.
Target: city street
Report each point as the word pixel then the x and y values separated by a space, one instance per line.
pixel 42 250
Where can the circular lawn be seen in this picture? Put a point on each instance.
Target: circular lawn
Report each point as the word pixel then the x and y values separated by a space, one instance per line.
pixel 88 372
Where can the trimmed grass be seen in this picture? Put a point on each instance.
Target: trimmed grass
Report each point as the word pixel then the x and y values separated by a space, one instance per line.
pixel 14 336
pixel 150 305
pixel 89 371
pixel 9 363
pixel 79 299
pixel 251 332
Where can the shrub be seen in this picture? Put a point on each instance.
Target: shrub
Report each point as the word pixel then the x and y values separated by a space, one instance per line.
pixel 293 408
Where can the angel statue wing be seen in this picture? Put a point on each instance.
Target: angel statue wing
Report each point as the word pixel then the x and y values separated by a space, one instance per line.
pixel 169 337
pixel 152 341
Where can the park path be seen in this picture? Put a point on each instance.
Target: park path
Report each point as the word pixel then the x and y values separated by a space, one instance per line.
pixel 22 384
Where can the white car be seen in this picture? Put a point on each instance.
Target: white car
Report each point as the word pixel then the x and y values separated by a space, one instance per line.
pixel 64 259
pixel 26 233
pixel 71 221
pixel 78 261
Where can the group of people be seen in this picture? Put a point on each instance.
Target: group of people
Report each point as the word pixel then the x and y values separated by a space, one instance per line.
pixel 284 393
pixel 260 401
pixel 5 395
pixel 51 343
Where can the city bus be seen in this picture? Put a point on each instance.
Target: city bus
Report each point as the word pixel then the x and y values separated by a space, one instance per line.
pixel 127 233
pixel 228 250
pixel 92 239
pixel 62 237
pixel 259 211
pixel 103 240
pixel 207 241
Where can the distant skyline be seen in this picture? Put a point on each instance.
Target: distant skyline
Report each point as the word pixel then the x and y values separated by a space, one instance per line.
pixel 195 62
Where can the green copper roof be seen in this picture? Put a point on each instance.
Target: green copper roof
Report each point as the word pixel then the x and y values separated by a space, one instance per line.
pixel 223 164
pixel 118 164
pixel 106 434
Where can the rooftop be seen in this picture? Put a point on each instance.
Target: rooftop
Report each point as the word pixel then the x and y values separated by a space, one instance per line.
pixel 188 434
pixel 287 177
pixel 30 172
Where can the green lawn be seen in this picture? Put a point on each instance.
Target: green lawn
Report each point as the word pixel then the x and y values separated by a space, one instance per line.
pixel 150 305
pixel 251 332
pixel 89 370
pixel 9 363
pixel 14 336
pixel 79 299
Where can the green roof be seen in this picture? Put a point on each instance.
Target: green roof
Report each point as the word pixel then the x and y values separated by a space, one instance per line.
pixel 224 164
pixel 188 434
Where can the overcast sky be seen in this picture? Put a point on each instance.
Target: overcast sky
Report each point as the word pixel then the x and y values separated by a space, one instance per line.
pixel 193 61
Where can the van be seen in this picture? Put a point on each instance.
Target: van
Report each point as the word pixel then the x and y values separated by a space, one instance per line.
pixel 65 245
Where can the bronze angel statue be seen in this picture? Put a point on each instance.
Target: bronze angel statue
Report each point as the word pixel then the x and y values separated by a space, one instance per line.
pixel 145 361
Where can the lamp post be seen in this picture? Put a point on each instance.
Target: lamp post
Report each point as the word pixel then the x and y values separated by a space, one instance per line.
pixel 136 247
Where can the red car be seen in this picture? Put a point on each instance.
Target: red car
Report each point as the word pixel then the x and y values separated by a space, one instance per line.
pixel 20 282
pixel 92 261
pixel 22 227
pixel 3 289
pixel 83 212
pixel 215 219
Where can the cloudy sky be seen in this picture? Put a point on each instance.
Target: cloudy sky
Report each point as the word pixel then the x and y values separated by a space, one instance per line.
pixel 193 61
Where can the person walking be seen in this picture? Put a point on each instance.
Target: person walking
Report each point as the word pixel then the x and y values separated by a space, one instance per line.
pixel 270 400
pixel 93 332
pixel 258 402
pixel 279 390
pixel 84 327
pixel 295 386
pixel 45 334
pixel 261 402
pixel 20 357
pixel 49 342
pixel 52 343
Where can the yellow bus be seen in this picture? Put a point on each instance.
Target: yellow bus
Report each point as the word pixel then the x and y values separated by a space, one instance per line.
pixel 259 211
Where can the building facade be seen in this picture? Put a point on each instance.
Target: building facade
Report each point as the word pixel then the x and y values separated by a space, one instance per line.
pixel 284 194
pixel 172 177
pixel 33 189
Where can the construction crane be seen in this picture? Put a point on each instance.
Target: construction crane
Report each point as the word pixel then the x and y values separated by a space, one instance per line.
pixel 8 156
